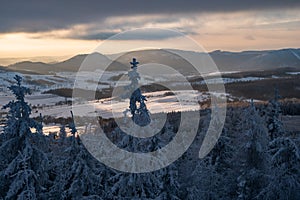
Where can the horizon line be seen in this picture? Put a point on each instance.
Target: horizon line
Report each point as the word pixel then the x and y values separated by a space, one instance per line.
pixel 67 57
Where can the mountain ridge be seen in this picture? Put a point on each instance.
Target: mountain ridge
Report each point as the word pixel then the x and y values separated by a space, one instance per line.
pixel 225 60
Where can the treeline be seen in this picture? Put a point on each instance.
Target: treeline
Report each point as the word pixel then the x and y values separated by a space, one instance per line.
pixel 254 158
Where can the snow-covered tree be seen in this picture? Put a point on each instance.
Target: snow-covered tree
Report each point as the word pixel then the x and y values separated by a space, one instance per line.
pixel 213 176
pixel 170 179
pixel 18 121
pixel 24 165
pixel 72 125
pixel 62 133
pixel 252 158
pixel 205 182
pixel 284 174
pixel 256 139
pixel 135 186
pixel 77 175
pixel 161 184
pixel 274 123
pixel 284 182
pixel 140 115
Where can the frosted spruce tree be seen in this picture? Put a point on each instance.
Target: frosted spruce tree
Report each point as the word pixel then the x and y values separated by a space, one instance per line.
pixel 285 160
pixel 171 186
pixel 62 134
pixel 18 121
pixel 160 184
pixel 204 182
pixel 284 182
pixel 213 177
pixel 24 164
pixel 140 115
pixel 77 173
pixel 274 124
pixel 252 158
pixel 135 186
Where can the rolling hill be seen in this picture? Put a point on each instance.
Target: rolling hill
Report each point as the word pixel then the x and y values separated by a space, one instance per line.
pixel 226 61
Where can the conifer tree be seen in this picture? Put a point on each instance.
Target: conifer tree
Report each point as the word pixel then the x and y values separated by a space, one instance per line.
pixel 274 123
pixel 24 163
pixel 160 184
pixel 77 174
pixel 284 180
pixel 213 177
pixel 285 160
pixel 252 157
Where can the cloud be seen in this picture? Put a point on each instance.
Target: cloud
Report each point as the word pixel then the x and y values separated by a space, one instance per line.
pixel 37 16
pixel 146 34
pixel 279 25
pixel 249 37
pixel 95 36
pixel 139 34
pixel 111 27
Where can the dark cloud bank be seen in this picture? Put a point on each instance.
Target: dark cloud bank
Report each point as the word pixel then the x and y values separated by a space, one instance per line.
pixel 35 15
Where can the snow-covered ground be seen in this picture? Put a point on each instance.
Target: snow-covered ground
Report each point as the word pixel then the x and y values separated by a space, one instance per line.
pixel 229 80
pixel 100 80
pixel 157 102
pixel 293 73
pixel 35 99
pixel 41 83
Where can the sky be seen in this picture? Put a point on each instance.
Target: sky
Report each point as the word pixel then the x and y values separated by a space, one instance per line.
pixel 56 28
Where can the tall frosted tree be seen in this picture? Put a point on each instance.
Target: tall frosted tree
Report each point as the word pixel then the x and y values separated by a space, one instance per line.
pixel 252 157
pixel 23 163
pixel 140 115
pixel 77 173
pixel 285 160
pixel 284 174
pixel 161 184
pixel 18 119
pixel 213 176
pixel 62 133
pixel 284 180
pixel 274 123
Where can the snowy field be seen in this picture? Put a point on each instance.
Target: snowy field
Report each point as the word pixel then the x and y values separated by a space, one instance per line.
pixel 47 104
pixel 101 80
pixel 35 99
pixel 157 102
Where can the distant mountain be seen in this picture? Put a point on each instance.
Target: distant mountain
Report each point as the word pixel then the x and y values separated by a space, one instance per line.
pixel 74 63
pixel 44 59
pixel 256 60
pixel 94 61
pixel 160 56
pixel 276 59
pixel 226 61
pixel 31 67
